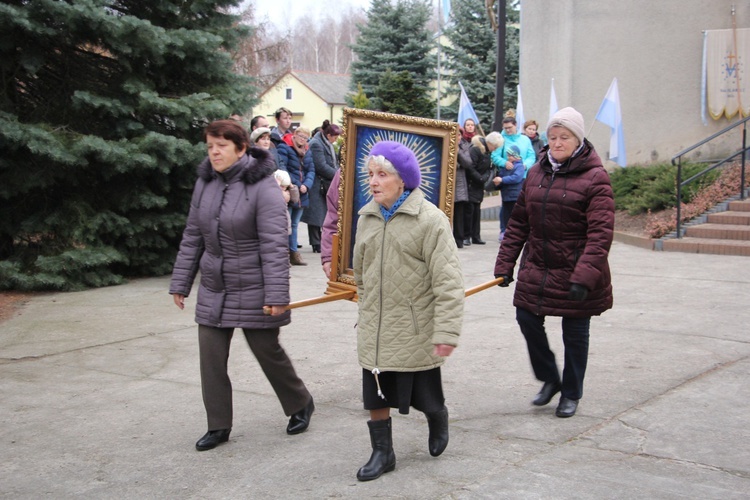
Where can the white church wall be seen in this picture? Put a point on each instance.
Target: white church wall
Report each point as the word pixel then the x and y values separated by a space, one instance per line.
pixel 655 50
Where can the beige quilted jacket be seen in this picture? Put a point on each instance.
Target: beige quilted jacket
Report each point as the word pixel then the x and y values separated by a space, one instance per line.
pixel 410 286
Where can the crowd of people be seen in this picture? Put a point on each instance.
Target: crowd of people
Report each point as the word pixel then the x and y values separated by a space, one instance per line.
pixel 256 186
pixel 311 160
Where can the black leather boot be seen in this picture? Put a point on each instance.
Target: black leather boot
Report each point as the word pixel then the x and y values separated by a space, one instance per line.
pixel 383 458
pixel 438 424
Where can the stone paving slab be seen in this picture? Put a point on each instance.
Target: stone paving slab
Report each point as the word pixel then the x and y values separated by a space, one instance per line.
pixel 100 397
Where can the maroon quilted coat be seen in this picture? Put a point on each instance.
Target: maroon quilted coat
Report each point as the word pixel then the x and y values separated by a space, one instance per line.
pixel 236 235
pixel 566 221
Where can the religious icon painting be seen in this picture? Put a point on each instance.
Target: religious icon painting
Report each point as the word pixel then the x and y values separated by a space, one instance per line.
pixel 435 145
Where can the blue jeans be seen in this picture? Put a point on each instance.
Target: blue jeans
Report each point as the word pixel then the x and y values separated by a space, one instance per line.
pixel 576 341
pixel 296 214
pixel 505 212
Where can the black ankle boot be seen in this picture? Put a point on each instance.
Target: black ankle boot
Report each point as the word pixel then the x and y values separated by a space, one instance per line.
pixel 383 458
pixel 548 391
pixel 212 439
pixel 438 424
pixel 300 421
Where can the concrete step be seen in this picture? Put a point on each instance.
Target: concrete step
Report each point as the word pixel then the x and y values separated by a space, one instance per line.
pixel 739 206
pixel 707 246
pixel 719 231
pixel 730 217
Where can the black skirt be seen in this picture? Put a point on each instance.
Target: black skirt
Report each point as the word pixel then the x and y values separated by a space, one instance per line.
pixel 422 390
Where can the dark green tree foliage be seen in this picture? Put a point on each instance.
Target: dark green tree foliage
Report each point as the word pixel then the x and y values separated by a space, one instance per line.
pixel 395 38
pixel 359 99
pixel 471 58
pixel 101 114
pixel 398 94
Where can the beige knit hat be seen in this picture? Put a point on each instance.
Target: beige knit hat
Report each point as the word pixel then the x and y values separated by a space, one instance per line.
pixel 257 133
pixel 570 119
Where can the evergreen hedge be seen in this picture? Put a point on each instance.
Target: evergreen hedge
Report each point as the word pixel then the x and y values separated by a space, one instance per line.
pixel 101 115
pixel 639 189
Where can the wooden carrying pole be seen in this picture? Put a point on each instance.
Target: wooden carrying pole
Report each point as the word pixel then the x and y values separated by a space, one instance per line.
pixel 484 286
pixel 348 295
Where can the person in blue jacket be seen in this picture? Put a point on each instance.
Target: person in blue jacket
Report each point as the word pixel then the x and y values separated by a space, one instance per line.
pixel 513 137
pixel 299 165
pixel 508 181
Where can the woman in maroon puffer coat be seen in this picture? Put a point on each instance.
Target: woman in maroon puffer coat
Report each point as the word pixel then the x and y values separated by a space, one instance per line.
pixel 236 235
pixel 565 218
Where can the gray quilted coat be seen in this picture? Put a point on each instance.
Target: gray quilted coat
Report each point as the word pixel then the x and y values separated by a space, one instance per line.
pixel 409 284
pixel 236 235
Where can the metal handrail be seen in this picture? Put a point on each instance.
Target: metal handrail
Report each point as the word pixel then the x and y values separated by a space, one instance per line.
pixel 708 139
pixel 678 158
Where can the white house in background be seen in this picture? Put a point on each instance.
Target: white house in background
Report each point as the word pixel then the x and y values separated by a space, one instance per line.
pixel 312 97
pixel 653 48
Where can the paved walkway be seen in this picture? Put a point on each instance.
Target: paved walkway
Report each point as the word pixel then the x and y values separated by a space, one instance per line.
pixel 100 397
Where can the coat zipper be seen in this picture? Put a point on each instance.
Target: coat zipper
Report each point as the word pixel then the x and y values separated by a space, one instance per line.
pixel 540 296
pixel 376 370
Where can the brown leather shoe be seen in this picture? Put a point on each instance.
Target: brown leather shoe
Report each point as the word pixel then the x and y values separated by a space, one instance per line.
pixel 296 259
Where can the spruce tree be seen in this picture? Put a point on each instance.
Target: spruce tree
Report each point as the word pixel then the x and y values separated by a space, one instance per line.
pixel 471 58
pixel 359 99
pixel 395 38
pixel 101 115
pixel 397 94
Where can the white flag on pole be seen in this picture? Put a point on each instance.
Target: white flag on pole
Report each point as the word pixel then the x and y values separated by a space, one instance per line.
pixel 465 109
pixel 610 114
pixel 520 119
pixel 552 100
pixel 446 11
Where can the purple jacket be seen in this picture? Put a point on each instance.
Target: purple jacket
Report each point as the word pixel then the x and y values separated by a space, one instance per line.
pixel 330 225
pixel 236 235
pixel 563 222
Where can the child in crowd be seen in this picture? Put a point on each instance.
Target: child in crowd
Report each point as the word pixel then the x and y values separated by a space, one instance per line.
pixel 508 181
pixel 289 190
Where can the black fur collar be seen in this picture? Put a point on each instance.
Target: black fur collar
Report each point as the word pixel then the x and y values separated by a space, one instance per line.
pixel 256 165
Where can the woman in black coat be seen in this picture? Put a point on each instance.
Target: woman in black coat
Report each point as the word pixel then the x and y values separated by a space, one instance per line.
pixel 326 163
pixel 477 175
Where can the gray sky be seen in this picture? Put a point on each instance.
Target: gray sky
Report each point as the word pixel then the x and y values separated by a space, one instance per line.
pixel 279 12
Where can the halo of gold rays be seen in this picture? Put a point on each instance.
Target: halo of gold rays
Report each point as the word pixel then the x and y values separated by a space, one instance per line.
pixel 422 147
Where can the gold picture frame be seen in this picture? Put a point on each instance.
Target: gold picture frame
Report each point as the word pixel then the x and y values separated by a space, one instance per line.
pixel 435 144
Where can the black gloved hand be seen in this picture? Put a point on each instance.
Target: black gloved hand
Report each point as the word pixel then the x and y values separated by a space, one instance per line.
pixel 578 292
pixel 507 280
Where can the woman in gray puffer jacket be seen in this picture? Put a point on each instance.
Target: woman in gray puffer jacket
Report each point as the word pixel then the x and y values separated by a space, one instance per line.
pixel 236 235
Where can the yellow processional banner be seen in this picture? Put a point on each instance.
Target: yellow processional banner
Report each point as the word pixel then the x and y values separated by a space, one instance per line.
pixel 726 85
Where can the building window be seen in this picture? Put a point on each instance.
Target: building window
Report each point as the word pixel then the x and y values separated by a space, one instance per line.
pixel 288 92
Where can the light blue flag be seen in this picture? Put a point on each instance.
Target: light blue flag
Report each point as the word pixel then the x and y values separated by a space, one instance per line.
pixel 446 10
pixel 520 118
pixel 610 114
pixel 552 100
pixel 465 109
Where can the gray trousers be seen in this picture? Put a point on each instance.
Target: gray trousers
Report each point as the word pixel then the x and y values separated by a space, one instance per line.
pixel 217 388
